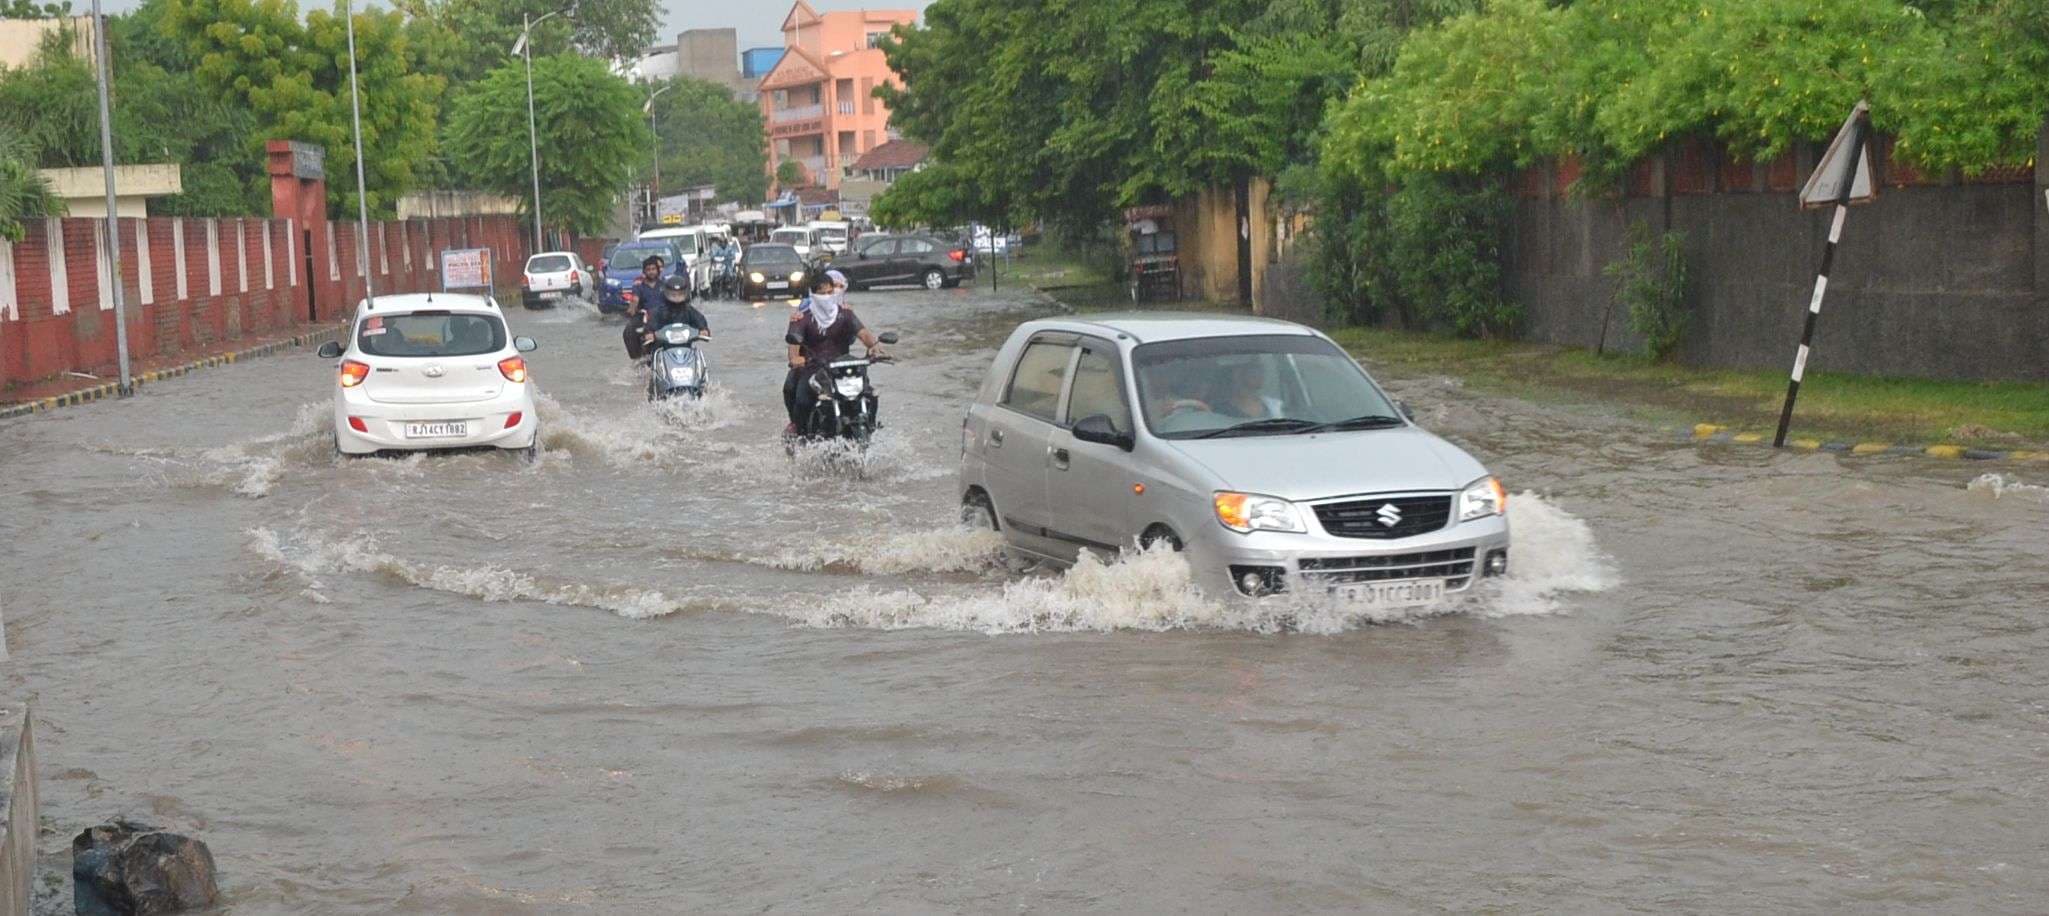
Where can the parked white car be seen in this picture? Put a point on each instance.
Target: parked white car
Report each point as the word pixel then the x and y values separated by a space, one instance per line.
pixel 691 243
pixel 432 371
pixel 552 276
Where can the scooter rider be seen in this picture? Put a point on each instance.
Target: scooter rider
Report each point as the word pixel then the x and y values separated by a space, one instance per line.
pixel 672 306
pixel 821 331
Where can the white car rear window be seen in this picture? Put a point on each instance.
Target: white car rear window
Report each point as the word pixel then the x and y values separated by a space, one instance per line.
pixel 430 333
pixel 548 264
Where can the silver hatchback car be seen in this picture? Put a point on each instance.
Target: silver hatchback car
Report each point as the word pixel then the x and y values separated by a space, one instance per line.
pixel 1258 446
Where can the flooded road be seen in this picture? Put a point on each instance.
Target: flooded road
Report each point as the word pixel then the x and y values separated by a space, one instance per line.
pixel 669 669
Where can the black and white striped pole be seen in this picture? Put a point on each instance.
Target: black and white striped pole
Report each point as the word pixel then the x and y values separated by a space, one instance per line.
pixel 1849 170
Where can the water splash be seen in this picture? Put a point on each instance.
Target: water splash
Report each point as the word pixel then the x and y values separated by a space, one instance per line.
pixel 311 556
pixel 2001 486
pixel 1154 591
pixel 939 550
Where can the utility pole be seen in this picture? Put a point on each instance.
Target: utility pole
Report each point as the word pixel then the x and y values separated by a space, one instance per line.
pixel 525 45
pixel 654 187
pixel 99 27
pixel 362 195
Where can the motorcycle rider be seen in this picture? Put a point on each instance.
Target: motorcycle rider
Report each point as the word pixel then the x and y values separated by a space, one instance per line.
pixel 822 330
pixel 646 292
pixel 673 306
pixel 723 255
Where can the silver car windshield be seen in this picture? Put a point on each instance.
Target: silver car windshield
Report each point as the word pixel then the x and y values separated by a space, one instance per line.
pixel 1255 385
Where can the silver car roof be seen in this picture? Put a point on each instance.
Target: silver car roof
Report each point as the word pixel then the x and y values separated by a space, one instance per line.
pixel 411 302
pixel 1151 327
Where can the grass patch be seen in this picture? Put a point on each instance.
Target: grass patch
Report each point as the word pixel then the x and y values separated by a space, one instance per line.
pixel 1993 415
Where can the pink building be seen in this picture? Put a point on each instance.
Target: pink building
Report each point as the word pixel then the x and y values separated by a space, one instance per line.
pixel 819 103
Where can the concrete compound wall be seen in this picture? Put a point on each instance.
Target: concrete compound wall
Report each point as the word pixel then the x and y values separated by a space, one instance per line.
pixel 18 809
pixel 189 284
pixel 1939 277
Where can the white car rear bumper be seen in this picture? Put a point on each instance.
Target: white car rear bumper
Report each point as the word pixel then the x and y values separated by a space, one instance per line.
pixel 491 423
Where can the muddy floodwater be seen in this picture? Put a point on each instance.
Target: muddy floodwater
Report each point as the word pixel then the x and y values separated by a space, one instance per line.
pixel 669 669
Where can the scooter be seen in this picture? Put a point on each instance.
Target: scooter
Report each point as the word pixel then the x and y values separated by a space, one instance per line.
pixel 725 279
pixel 846 408
pixel 675 367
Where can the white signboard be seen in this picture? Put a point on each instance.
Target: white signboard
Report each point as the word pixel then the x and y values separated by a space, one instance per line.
pixel 466 268
pixel 1825 187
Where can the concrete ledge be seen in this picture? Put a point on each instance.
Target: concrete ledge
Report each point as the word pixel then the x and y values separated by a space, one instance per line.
pixel 18 809
pixel 1710 433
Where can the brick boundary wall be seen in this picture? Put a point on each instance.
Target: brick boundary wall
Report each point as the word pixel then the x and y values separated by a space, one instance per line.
pixel 195 284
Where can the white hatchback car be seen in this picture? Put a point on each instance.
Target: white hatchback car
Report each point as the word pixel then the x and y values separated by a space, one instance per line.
pixel 552 276
pixel 432 371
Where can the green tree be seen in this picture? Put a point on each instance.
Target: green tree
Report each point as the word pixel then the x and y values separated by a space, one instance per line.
pixel 24 195
pixel 934 197
pixel 294 76
pixel 470 38
pixel 590 135
pixel 789 173
pixel 708 137
pixel 30 9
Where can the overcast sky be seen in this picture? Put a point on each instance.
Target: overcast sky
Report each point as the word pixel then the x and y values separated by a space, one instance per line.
pixel 759 21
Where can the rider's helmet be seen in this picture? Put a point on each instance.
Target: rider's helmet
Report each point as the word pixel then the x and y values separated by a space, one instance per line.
pixel 676 289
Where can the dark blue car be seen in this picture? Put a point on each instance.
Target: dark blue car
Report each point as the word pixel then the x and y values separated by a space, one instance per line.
pixel 622 268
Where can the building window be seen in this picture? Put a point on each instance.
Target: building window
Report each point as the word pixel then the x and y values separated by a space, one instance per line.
pixel 875 39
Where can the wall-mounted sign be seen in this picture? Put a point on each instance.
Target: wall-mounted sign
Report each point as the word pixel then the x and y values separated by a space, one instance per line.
pixel 466 268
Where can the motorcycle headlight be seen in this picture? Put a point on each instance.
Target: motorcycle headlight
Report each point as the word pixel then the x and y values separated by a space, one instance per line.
pixel 1482 498
pixel 677 336
pixel 850 386
pixel 1247 512
pixel 757 277
pixel 683 375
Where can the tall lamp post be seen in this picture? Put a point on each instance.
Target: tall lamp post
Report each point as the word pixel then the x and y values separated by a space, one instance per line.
pixel 99 28
pixel 654 187
pixel 362 197
pixel 525 46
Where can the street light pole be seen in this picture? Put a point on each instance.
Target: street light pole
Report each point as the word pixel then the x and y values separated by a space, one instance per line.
pixel 362 195
pixel 526 45
pixel 654 187
pixel 99 28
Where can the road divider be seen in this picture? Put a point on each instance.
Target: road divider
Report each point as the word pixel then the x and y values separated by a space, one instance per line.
pixel 1712 433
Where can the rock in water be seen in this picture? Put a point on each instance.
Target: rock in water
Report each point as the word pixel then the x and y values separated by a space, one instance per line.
pixel 126 867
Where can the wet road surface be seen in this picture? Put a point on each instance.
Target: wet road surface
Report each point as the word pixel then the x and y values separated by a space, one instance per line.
pixel 669 669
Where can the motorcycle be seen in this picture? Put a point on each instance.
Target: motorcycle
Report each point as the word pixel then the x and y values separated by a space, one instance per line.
pixel 725 279
pixel 675 367
pixel 846 408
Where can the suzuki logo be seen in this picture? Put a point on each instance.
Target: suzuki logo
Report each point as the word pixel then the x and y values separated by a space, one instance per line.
pixel 1389 515
pixel 434 371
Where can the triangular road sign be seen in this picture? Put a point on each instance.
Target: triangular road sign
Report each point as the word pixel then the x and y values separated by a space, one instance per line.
pixel 1825 187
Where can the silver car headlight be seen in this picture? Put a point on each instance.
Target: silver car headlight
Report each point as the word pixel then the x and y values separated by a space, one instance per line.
pixel 850 386
pixel 1482 498
pixel 1248 512
pixel 683 375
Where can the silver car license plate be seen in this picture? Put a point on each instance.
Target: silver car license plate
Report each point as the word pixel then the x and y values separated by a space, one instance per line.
pixel 440 429
pixel 1407 593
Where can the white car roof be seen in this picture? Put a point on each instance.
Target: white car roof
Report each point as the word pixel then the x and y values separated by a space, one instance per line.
pixel 400 303
pixel 1152 327
pixel 547 254
pixel 670 232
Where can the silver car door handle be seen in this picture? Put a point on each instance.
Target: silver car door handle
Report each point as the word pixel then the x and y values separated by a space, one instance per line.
pixel 1059 456
pixel 996 438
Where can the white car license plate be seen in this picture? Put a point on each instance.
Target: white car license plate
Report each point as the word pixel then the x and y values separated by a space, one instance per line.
pixel 551 296
pixel 442 429
pixel 779 285
pixel 1408 593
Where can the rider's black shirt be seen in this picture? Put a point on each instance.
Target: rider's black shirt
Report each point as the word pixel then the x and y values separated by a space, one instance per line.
pixel 821 346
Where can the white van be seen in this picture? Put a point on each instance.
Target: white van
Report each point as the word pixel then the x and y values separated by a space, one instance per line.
pixel 833 236
pixel 802 238
pixel 691 241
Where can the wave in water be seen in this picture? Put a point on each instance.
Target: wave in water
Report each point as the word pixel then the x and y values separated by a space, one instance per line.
pixel 2001 486
pixel 939 550
pixel 1555 555
pixel 312 556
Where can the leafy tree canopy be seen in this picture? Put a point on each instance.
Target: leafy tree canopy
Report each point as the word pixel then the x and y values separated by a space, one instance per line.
pixel 294 76
pixel 591 134
pixel 708 137
pixel 470 38
pixel 24 195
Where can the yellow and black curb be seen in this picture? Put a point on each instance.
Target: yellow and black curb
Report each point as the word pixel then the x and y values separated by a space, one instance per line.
pixel 1710 433
pixel 111 390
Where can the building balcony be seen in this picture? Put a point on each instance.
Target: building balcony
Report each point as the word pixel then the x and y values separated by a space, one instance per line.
pixel 846 107
pixel 797 113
